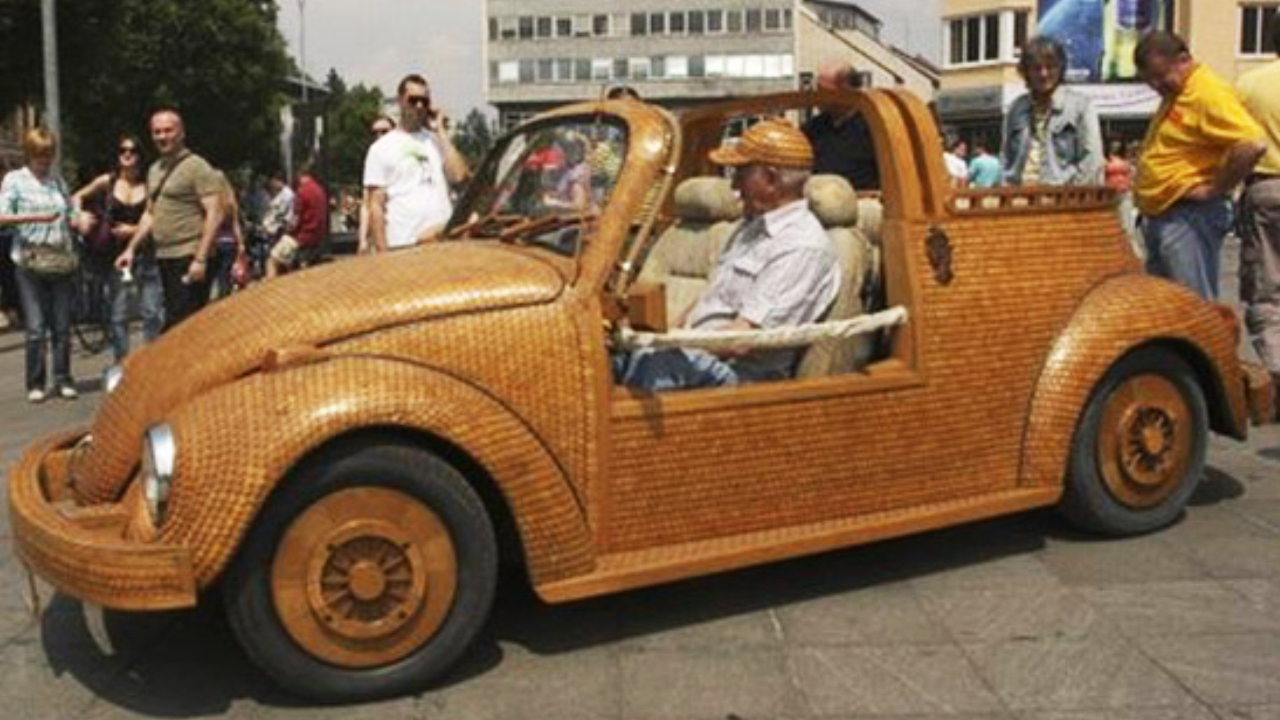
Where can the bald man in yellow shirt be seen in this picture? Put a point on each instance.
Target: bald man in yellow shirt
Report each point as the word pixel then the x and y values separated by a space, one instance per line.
pixel 1201 144
pixel 1259 218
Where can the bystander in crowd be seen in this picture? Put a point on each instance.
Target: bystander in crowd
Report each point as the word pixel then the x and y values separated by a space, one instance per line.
pixel 35 202
pixel 1259 216
pixel 311 228
pixel 1051 134
pixel 1200 145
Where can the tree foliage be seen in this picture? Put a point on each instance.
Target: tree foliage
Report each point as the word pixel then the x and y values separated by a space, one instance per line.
pixel 219 62
pixel 474 136
pixel 349 113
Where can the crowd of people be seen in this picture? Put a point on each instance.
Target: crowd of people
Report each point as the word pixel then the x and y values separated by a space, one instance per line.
pixel 176 229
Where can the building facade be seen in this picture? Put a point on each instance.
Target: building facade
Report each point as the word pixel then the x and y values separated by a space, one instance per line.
pixel 980 41
pixel 679 53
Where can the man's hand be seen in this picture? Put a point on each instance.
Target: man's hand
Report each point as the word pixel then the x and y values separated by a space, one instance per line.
pixel 196 270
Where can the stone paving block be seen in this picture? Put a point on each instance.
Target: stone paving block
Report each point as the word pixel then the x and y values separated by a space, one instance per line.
pixel 1238 557
pixel 1091 560
pixel 1179 608
pixel 1190 712
pixel 702 684
pixel 1262 595
pixel 886 615
pixel 581 685
pixel 994 614
pixel 915 680
pixel 31 688
pixel 1263 515
pixel 1089 674
pixel 1223 670
pixel 1252 712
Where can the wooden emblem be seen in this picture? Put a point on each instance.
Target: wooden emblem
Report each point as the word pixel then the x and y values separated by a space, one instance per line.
pixel 939 249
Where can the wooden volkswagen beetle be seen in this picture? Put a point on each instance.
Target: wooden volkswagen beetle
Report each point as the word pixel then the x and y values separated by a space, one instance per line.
pixel 337 449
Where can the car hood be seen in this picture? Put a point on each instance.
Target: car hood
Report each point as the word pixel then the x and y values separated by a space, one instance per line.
pixel 232 337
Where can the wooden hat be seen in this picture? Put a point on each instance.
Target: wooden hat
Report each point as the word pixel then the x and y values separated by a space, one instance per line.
pixel 769 142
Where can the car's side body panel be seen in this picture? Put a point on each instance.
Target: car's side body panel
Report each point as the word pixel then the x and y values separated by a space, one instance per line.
pixel 239 441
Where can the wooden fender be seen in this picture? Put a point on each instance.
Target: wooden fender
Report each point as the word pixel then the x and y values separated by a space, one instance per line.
pixel 237 442
pixel 1118 316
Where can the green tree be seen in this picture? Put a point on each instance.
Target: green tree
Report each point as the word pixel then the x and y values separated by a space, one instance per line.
pixel 348 116
pixel 218 62
pixel 474 136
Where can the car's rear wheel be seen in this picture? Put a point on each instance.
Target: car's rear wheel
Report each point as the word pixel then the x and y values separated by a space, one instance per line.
pixel 1139 449
pixel 368 574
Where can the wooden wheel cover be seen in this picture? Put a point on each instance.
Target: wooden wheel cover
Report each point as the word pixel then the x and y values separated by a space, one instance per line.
pixel 364 577
pixel 1144 440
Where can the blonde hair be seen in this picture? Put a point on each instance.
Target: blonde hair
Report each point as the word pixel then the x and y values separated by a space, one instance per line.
pixel 39 142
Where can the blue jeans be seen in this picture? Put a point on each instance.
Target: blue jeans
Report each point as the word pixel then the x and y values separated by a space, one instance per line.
pixel 673 369
pixel 147 292
pixel 46 306
pixel 1184 244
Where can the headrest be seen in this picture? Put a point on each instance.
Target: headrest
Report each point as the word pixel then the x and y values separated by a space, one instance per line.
pixel 707 199
pixel 832 200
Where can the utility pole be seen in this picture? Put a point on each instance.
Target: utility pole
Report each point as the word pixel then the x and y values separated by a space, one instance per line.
pixel 52 103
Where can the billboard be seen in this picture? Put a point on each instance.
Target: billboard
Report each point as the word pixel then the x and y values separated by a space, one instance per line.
pixel 1100 35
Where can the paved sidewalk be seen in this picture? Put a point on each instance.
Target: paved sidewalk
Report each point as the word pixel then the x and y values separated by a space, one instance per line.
pixel 1021 618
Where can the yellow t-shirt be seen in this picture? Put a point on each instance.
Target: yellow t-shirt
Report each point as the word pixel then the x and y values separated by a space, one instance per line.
pixel 1258 91
pixel 1187 140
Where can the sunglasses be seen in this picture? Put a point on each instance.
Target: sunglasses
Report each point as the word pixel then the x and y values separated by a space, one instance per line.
pixel 380 131
pixel 128 150
pixel 418 100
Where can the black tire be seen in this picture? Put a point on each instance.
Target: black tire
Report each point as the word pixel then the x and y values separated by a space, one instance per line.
pixel 1090 501
pixel 407 469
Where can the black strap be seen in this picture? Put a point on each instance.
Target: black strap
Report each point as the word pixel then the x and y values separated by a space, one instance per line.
pixel 167 173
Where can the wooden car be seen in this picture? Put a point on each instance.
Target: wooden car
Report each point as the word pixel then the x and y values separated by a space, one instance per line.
pixel 344 452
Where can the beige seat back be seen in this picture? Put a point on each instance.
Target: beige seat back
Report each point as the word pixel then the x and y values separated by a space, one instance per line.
pixel 685 255
pixel 836 206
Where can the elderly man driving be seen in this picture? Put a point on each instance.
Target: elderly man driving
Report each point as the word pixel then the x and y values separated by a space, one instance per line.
pixel 778 269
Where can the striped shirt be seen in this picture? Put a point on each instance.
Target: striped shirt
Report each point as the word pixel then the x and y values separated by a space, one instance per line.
pixel 779 269
pixel 22 193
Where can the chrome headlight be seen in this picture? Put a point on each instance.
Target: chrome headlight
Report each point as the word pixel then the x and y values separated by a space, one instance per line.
pixel 159 458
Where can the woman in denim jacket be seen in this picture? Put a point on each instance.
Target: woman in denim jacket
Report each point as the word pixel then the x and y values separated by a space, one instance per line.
pixel 1051 134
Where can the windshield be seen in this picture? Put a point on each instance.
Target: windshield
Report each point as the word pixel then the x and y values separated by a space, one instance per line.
pixel 565 168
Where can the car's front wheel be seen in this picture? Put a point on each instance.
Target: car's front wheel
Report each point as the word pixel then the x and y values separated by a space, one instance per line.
pixel 368 574
pixel 1139 448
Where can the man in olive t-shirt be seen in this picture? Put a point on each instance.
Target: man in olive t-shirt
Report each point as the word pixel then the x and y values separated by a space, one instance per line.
pixel 182 217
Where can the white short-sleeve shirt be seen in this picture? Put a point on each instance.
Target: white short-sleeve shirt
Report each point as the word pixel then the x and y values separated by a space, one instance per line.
pixel 410 167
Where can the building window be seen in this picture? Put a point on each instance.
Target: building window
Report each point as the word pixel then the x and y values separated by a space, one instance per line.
pixel 508 72
pixel 582 69
pixel 658 23
pixel 564 27
pixel 527 71
pixel 697 22
pixel 754 21
pixel 493 29
pixel 1021 20
pixel 638 68
pixel 526 28
pixel 657 67
pixel 620 69
pixel 697 67
pixel 675 23
pixel 546 70
pixel 773 19
pixel 600 68
pixel 715 21
pixel 733 21
pixel 564 70
pixel 507 28
pixel 786 19
pixel 582 26
pixel 600 25
pixel 544 27
pixel 974 39
pixel 1255 21
pixel 715 66
pixel 677 67
pixel 639 24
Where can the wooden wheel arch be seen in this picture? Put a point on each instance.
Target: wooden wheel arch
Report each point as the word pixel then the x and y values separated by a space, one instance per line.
pixel 237 443
pixel 1123 314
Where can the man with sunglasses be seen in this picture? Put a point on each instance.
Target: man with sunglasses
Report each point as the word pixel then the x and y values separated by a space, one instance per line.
pixel 408 172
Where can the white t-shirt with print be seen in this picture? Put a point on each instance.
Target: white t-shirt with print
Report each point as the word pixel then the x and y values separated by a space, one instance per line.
pixel 410 167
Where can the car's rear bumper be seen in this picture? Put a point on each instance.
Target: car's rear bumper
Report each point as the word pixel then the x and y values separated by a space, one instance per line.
pixel 1260 393
pixel 94 553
